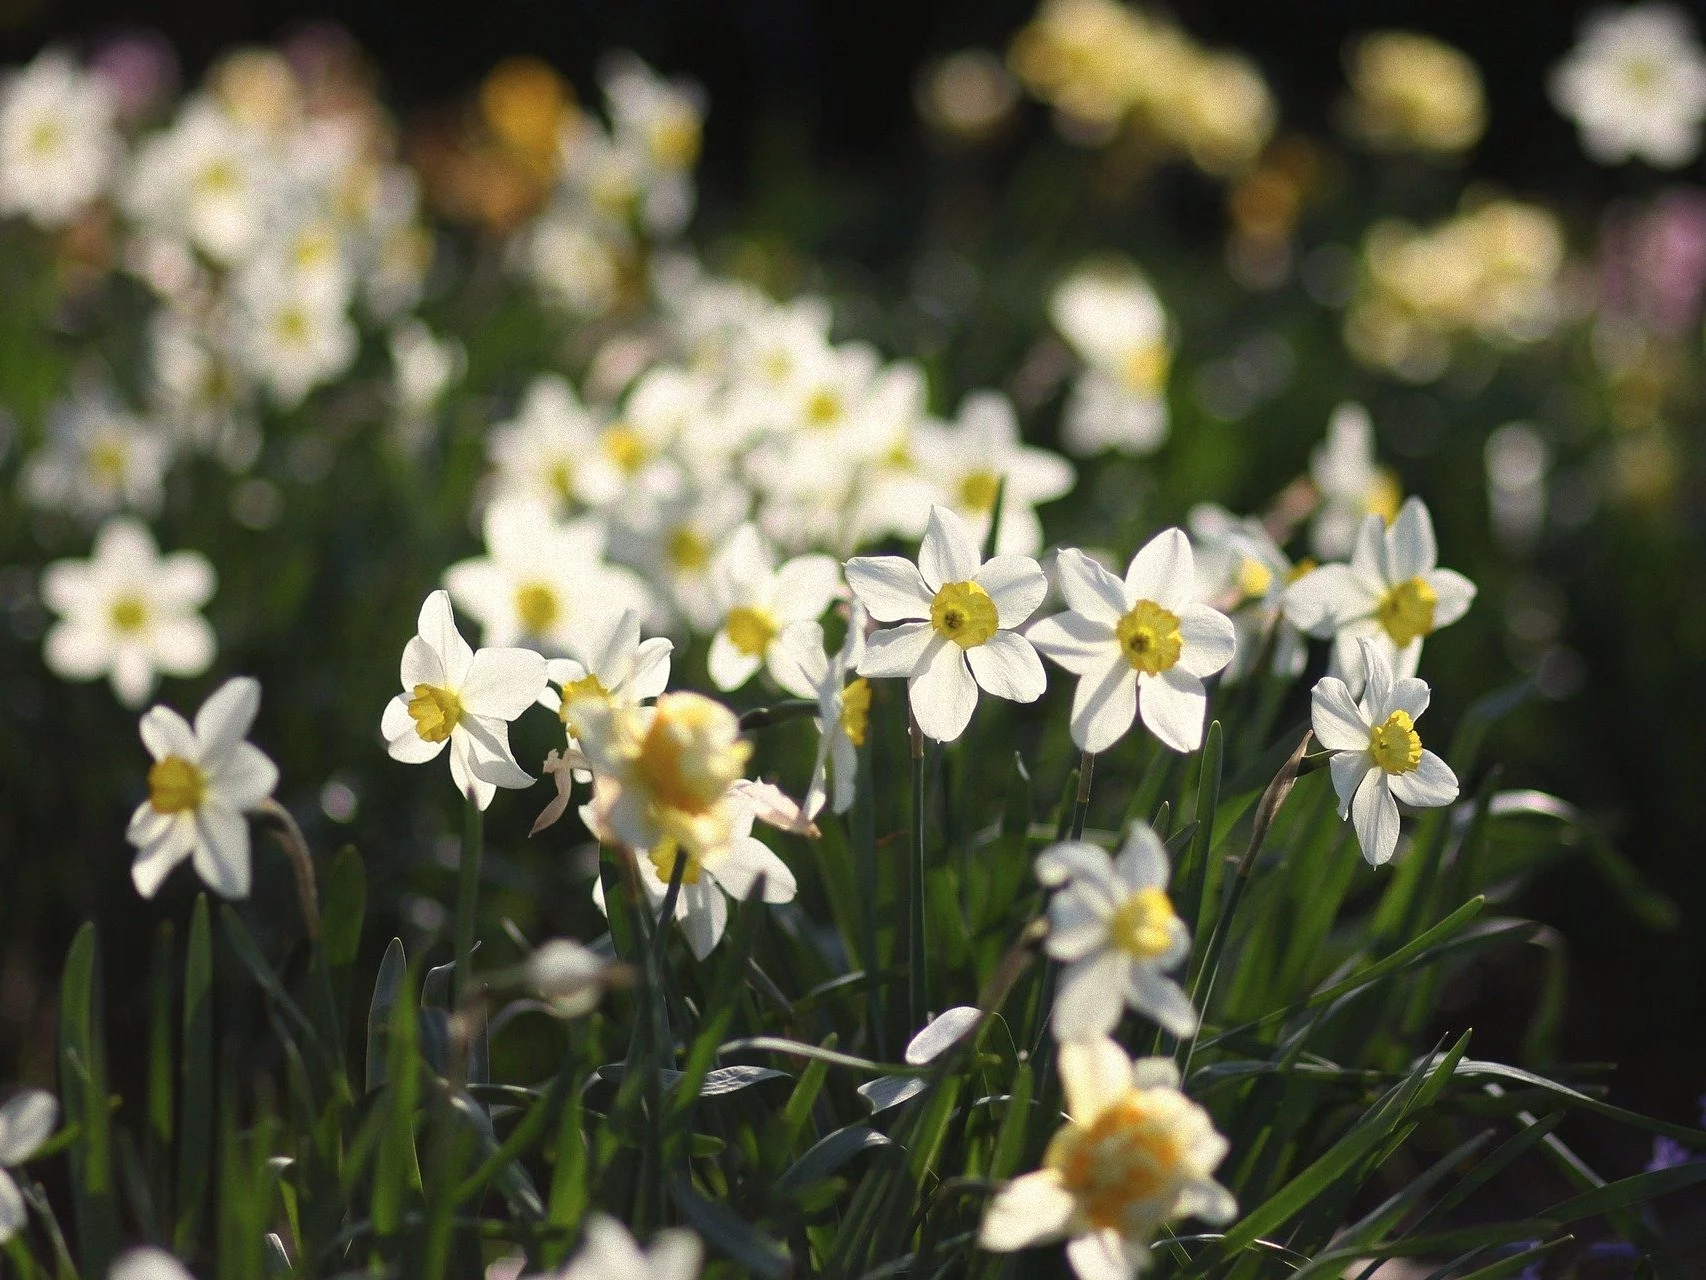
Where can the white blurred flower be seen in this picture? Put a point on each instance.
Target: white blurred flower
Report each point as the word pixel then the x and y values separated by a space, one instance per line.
pixel 201 784
pixel 758 599
pixel 58 140
pixel 196 388
pixel 608 1252
pixel 1392 593
pixel 658 122
pixel 674 540
pixel 957 615
pixel 1135 1153
pixel 453 694
pixel 97 459
pixel 1113 927
pixel 423 368
pixel 1115 323
pixel 128 612
pixel 1242 571
pixel 208 179
pixel 1635 86
pixel 844 707
pixel 575 263
pixel 551 451
pixel 27 1120
pixel 148 1263
pixel 569 976
pixel 1350 482
pixel 1378 757
pixel 296 333
pixel 1141 645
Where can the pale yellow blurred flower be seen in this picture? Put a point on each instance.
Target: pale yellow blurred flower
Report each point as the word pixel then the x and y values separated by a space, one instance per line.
pixel 1410 92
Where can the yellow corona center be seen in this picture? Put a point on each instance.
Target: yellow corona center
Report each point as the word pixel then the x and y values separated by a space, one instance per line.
pixel 1254 578
pixel 1126 1155
pixel 537 606
pixel 1395 744
pixel 219 177
pixel 964 613
pixel 1383 497
pixel 688 550
pixel 128 614
pixel 106 460
pixel 175 785
pixel 664 855
pixel 674 141
pixel 291 326
pixel 978 489
pixel 1144 369
pixel 624 446
pixel 589 688
pixel 680 767
pixel 1149 637
pixel 46 137
pixel 856 711
pixel 1407 611
pixel 435 711
pixel 1142 925
pixel 561 478
pixel 750 630
pixel 823 408
pixel 1302 568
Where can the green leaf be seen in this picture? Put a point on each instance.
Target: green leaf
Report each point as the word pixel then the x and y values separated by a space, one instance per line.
pixel 83 1087
pixel 162 1058
pixel 342 912
pixel 828 1155
pixel 195 1128
pixel 1010 1140
pixel 729 1235
pixel 387 987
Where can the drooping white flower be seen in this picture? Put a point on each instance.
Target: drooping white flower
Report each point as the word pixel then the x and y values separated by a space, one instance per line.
pixel 1392 593
pixel 1350 482
pixel 539 578
pixel 27 1120
pixel 1113 927
pixel 940 1034
pixel 567 975
pixel 1141 645
pixel 98 459
pixel 129 613
pixel 451 694
pixel 148 1263
pixel 1635 86
pixel 202 784
pixel 58 141
pixel 1135 1153
pixel 844 707
pixel 1378 757
pixel 608 1251
pixel 758 599
pixel 1114 322
pixel 957 615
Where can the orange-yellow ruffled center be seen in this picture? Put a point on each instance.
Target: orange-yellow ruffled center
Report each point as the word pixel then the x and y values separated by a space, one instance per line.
pixel 1395 744
pixel 690 754
pixel 435 710
pixel 1149 637
pixel 624 446
pixel 1144 369
pixel 1126 1155
pixel 1142 925
pixel 1384 496
pixel 664 855
pixel 1407 611
pixel 750 630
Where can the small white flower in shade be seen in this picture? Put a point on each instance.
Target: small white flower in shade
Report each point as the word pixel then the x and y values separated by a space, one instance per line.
pixel 733 866
pixel 451 694
pixel 1377 754
pixel 568 976
pixel 1635 86
pixel 970 460
pixel 196 388
pixel 423 368
pixel 957 615
pixel 1114 322
pixel 203 782
pixel 844 707
pixel 208 179
pixel 609 1252
pixel 129 613
pixel 148 1263
pixel 1349 482
pixel 551 451
pixel 758 600
pixel 1242 571
pixel 1134 1154
pixel 26 1121
pixel 1392 593
pixel 539 579
pixel 58 143
pixel 1113 927
pixel 294 336
pixel 98 459
pixel 1138 646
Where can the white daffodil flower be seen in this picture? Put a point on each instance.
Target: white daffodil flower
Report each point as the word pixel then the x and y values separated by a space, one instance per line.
pixel 1392 593
pixel 673 542
pixel 295 334
pixel 200 787
pixel 1142 645
pixel 1135 1153
pixel 957 615
pixel 609 1252
pixel 551 451
pixel 1378 757
pixel 128 612
pixel 1241 571
pixel 1635 86
pixel 844 707
pixel 540 579
pixel 97 459
pixel 1114 322
pixel 1113 927
pixel 148 1263
pixel 451 694
pixel 758 600
pixel 26 1121
pixel 1350 483
pixel 209 179
pixel 59 143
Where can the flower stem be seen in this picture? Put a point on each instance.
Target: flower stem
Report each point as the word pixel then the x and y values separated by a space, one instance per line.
pixel 778 712
pixel 467 897
pixel 666 913
pixel 917 959
pixel 290 838
pixel 1081 806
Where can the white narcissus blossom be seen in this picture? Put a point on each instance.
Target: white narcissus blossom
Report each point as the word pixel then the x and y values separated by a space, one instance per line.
pixel 148 1263
pixel 58 140
pixel 1392 592
pixel 844 707
pixel 1114 322
pixel 1141 645
pixel 128 612
pixel 1378 757
pixel 957 615
pixel 569 976
pixel 1241 571
pixel 540 579
pixel 423 368
pixel 1135 1153
pixel 1113 927
pixel 202 784
pixel 97 459
pixel 295 333
pixel 758 600
pixel 27 1120
pixel 1350 483
pixel 609 1252
pixel 674 541
pixel 1635 86
pixel 209 179
pixel 451 694
pixel 552 452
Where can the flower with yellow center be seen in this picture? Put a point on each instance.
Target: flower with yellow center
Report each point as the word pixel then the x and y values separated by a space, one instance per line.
pixel 844 706
pixel 1139 646
pixel 1350 483
pixel 555 452
pixel 1411 92
pixel 97 458
pixel 1113 321
pixel 1134 1154
pixel 296 333
pixel 1391 593
pixel 758 600
pixel 203 782
pixel 1240 569
pixel 1113 927
pixel 1635 86
pixel 59 145
pixel 957 615
pixel 1378 758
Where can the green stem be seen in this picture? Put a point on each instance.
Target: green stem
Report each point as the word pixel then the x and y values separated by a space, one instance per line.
pixel 666 914
pixel 917 961
pixel 865 846
pixel 1081 806
pixel 777 713
pixel 467 898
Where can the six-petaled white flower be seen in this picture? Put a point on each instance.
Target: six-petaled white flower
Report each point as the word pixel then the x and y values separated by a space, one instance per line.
pixel 26 1121
pixel 58 143
pixel 844 707
pixel 758 600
